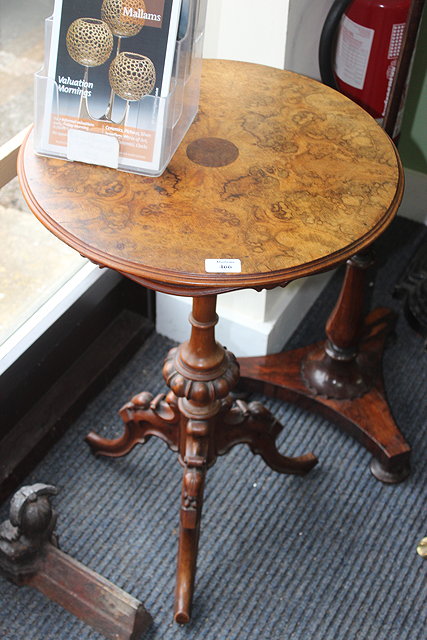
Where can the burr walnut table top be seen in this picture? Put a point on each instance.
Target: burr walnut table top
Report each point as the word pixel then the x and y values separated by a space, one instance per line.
pixel 277 170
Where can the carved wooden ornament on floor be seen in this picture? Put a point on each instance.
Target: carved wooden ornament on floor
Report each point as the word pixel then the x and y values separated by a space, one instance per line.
pixel 29 555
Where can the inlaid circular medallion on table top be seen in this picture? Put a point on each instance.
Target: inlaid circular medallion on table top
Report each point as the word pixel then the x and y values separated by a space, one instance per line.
pixel 277 171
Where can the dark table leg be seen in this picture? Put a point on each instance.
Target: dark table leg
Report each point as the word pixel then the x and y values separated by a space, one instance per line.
pixel 341 378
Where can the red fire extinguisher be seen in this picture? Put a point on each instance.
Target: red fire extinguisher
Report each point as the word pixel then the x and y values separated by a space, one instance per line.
pixel 366 38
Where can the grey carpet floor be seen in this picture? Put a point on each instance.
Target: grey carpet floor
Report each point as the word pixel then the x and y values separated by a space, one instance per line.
pixel 331 556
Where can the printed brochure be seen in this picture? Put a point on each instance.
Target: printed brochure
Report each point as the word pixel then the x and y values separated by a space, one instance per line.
pixel 109 75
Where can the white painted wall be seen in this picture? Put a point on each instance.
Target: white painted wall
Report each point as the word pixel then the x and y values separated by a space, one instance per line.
pixel 278 33
pixel 305 23
pixel 247 30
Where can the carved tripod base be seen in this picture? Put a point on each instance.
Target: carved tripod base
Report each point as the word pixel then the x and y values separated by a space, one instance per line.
pixel 199 419
pixel 341 378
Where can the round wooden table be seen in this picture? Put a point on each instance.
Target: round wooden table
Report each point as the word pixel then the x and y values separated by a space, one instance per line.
pixel 279 177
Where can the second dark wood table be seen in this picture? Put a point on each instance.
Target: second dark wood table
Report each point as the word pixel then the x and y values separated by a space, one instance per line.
pixel 288 177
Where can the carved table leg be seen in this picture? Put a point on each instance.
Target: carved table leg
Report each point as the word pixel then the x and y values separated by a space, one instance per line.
pixel 254 425
pixel 144 416
pixel 341 378
pixel 198 419
pixel 195 460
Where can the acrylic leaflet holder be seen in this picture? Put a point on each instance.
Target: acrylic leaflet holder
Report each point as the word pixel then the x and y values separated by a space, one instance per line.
pixel 101 107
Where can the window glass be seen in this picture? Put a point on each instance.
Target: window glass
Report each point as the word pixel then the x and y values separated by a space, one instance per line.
pixel 21 55
pixel 33 263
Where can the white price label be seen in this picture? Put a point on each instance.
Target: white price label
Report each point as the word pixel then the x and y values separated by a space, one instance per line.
pixel 94 148
pixel 352 52
pixel 223 265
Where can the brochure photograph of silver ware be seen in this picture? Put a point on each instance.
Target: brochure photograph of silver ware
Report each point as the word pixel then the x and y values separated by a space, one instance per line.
pixel 109 72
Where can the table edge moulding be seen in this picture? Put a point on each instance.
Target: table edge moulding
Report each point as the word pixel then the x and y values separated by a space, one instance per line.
pixel 286 178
